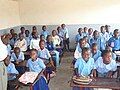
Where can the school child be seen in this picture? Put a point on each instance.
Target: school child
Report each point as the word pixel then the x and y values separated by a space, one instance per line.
pixel 22 29
pixel 86 41
pixel 44 54
pixel 21 43
pixel 65 37
pixel 27 38
pixel 95 52
pixel 79 35
pixel 35 64
pixel 114 41
pixel 13 40
pixel 54 53
pixel 17 57
pixel 45 31
pixel 90 34
pixel 11 70
pixel 84 66
pixel 34 43
pixel 85 31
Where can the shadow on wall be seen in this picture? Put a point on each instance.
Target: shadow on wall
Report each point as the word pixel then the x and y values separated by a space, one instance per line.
pixel 73 28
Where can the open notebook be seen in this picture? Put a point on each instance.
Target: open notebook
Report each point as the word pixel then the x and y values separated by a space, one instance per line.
pixel 28 77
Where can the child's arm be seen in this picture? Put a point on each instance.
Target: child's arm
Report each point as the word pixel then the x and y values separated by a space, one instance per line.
pixel 76 72
pixel 110 74
pixel 94 73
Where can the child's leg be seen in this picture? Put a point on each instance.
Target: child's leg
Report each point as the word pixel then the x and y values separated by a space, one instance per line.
pixel 57 58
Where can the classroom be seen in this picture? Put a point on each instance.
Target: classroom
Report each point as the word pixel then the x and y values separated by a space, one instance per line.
pixel 59 45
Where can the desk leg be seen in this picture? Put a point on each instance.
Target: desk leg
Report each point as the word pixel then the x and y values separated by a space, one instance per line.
pixel 31 87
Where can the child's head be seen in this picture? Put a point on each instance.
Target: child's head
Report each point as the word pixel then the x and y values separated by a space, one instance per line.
pixel 82 43
pixel 35 35
pixel 85 29
pixel 58 29
pixel 7 60
pixel 49 38
pixel 22 29
pixel 85 38
pixel 63 26
pixel 85 53
pixel 44 28
pixel 107 27
pixel 27 32
pixel 80 30
pixel 12 31
pixel 33 54
pixel 42 44
pixel 54 33
pixel 17 50
pixel 21 36
pixel 90 31
pixel 15 36
pixel 102 29
pixel 116 32
pixel 94 48
pixel 34 28
pixel 42 37
pixel 95 34
pixel 106 56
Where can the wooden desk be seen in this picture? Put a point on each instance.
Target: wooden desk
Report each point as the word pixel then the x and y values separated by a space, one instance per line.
pixel 100 83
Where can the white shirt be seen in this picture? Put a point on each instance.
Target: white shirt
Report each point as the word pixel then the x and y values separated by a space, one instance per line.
pixel 56 40
pixel 65 32
pixel 34 43
pixel 105 35
pixel 3 51
pixel 103 68
pixel 21 44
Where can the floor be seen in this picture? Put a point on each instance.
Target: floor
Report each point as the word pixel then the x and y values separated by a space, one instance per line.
pixel 64 73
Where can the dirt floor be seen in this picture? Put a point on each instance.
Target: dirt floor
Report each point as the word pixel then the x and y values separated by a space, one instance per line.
pixel 64 73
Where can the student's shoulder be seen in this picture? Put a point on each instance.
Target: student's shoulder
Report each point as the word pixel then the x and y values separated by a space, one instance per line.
pixel 99 60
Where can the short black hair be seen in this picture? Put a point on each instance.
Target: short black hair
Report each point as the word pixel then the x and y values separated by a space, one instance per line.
pixel 33 50
pixel 104 52
pixel 85 49
pixel 94 45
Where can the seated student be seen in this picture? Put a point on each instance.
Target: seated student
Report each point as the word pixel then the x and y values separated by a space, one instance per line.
pixel 90 34
pixel 42 37
pixel 99 40
pixel 95 52
pixel 79 47
pixel 104 34
pixel 12 32
pixel 51 48
pixel 21 43
pixel 6 42
pixel 34 43
pixel 84 66
pixel 114 41
pixel 105 65
pixel 60 34
pixel 17 57
pixel 11 70
pixel 45 31
pixel 44 54
pixel 85 31
pixel 35 64
pixel 27 38
pixel 22 31
pixel 113 54
pixel 13 40
pixel 79 35
pixel 86 41
pixel 107 28
pixel 55 38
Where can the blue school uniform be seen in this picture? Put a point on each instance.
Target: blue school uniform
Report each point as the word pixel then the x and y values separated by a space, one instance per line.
pixel 84 68
pixel 96 55
pixel 36 66
pixel 15 58
pixel 45 33
pixel 78 37
pixel 114 43
pixel 50 47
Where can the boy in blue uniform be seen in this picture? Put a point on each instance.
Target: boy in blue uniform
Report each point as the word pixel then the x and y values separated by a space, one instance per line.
pixel 45 32
pixel 95 53
pixel 114 41
pixel 84 66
